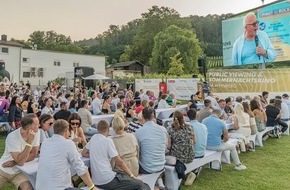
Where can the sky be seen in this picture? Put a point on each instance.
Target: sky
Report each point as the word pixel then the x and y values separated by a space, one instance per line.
pixel 82 19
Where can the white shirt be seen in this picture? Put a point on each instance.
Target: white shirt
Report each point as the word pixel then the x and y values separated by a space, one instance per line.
pixel 56 157
pixel 285 111
pixel 145 97
pixel 213 102
pixel 43 135
pixel 162 104
pixel 37 94
pixel 47 110
pixel 100 158
pixel 15 143
pixel 96 106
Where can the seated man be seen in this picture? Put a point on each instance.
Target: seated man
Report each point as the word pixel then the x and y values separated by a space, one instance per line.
pixel 273 112
pixel 200 132
pixel 100 158
pixel 216 128
pixel 58 154
pixel 63 113
pixel 86 117
pixel 152 140
pixel 206 111
pixel 21 146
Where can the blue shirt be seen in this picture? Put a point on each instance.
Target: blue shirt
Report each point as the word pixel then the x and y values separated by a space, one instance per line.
pixel 152 140
pixel 215 128
pixel 200 132
pixel 240 50
pixel 249 54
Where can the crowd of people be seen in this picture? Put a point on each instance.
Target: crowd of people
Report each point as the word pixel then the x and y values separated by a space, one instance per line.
pixel 57 126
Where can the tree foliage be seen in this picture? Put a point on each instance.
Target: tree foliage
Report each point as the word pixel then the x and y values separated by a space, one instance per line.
pixel 176 67
pixel 154 21
pixel 113 42
pixel 50 40
pixel 176 41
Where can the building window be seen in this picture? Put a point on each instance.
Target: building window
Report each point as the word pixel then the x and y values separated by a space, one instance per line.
pixel 25 60
pixel 5 50
pixel 26 74
pixel 76 64
pixel 56 63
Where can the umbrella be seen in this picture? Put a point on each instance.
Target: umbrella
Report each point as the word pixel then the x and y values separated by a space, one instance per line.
pixel 95 77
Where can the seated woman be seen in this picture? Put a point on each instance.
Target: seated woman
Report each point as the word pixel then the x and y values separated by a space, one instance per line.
pixel 45 123
pixel 76 132
pixel 119 112
pixel 24 102
pixel 243 130
pixel 181 139
pixel 106 109
pixel 139 108
pixel 32 106
pixel 192 102
pixel 162 102
pixel 73 106
pixel 126 145
pixel 130 113
pixel 15 113
pixel 253 125
pixel 260 115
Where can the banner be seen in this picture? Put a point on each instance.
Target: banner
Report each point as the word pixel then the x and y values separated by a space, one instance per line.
pixel 148 84
pixel 228 81
pixel 182 88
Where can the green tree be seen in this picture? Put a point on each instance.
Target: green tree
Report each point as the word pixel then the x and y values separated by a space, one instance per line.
pixel 25 44
pixel 208 30
pixel 37 39
pixel 176 67
pixel 172 41
pixel 154 21
pixel 50 40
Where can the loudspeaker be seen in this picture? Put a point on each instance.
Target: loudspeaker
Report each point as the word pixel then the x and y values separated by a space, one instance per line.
pixel 82 72
pixel 201 62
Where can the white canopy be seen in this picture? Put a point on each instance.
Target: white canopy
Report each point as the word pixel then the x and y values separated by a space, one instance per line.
pixel 95 77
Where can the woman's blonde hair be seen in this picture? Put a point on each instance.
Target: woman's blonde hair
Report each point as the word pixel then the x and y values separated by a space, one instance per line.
pixel 118 124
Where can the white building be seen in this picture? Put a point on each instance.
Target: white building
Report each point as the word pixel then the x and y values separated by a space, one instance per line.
pixel 40 66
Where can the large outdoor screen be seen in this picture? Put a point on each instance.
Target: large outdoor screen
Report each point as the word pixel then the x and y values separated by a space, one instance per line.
pixel 273 36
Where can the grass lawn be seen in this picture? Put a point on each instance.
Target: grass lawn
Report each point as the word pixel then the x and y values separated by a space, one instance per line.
pixel 267 168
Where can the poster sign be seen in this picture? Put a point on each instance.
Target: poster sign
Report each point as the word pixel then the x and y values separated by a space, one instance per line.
pixel 242 81
pixel 148 84
pixel 182 88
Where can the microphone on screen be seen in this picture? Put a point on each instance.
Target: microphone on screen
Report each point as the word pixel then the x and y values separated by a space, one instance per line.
pixel 257 44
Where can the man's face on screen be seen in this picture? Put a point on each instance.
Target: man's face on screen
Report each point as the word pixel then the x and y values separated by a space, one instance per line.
pixel 251 26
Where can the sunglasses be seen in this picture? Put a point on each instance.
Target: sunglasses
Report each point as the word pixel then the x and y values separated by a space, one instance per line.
pixel 254 24
pixel 73 123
